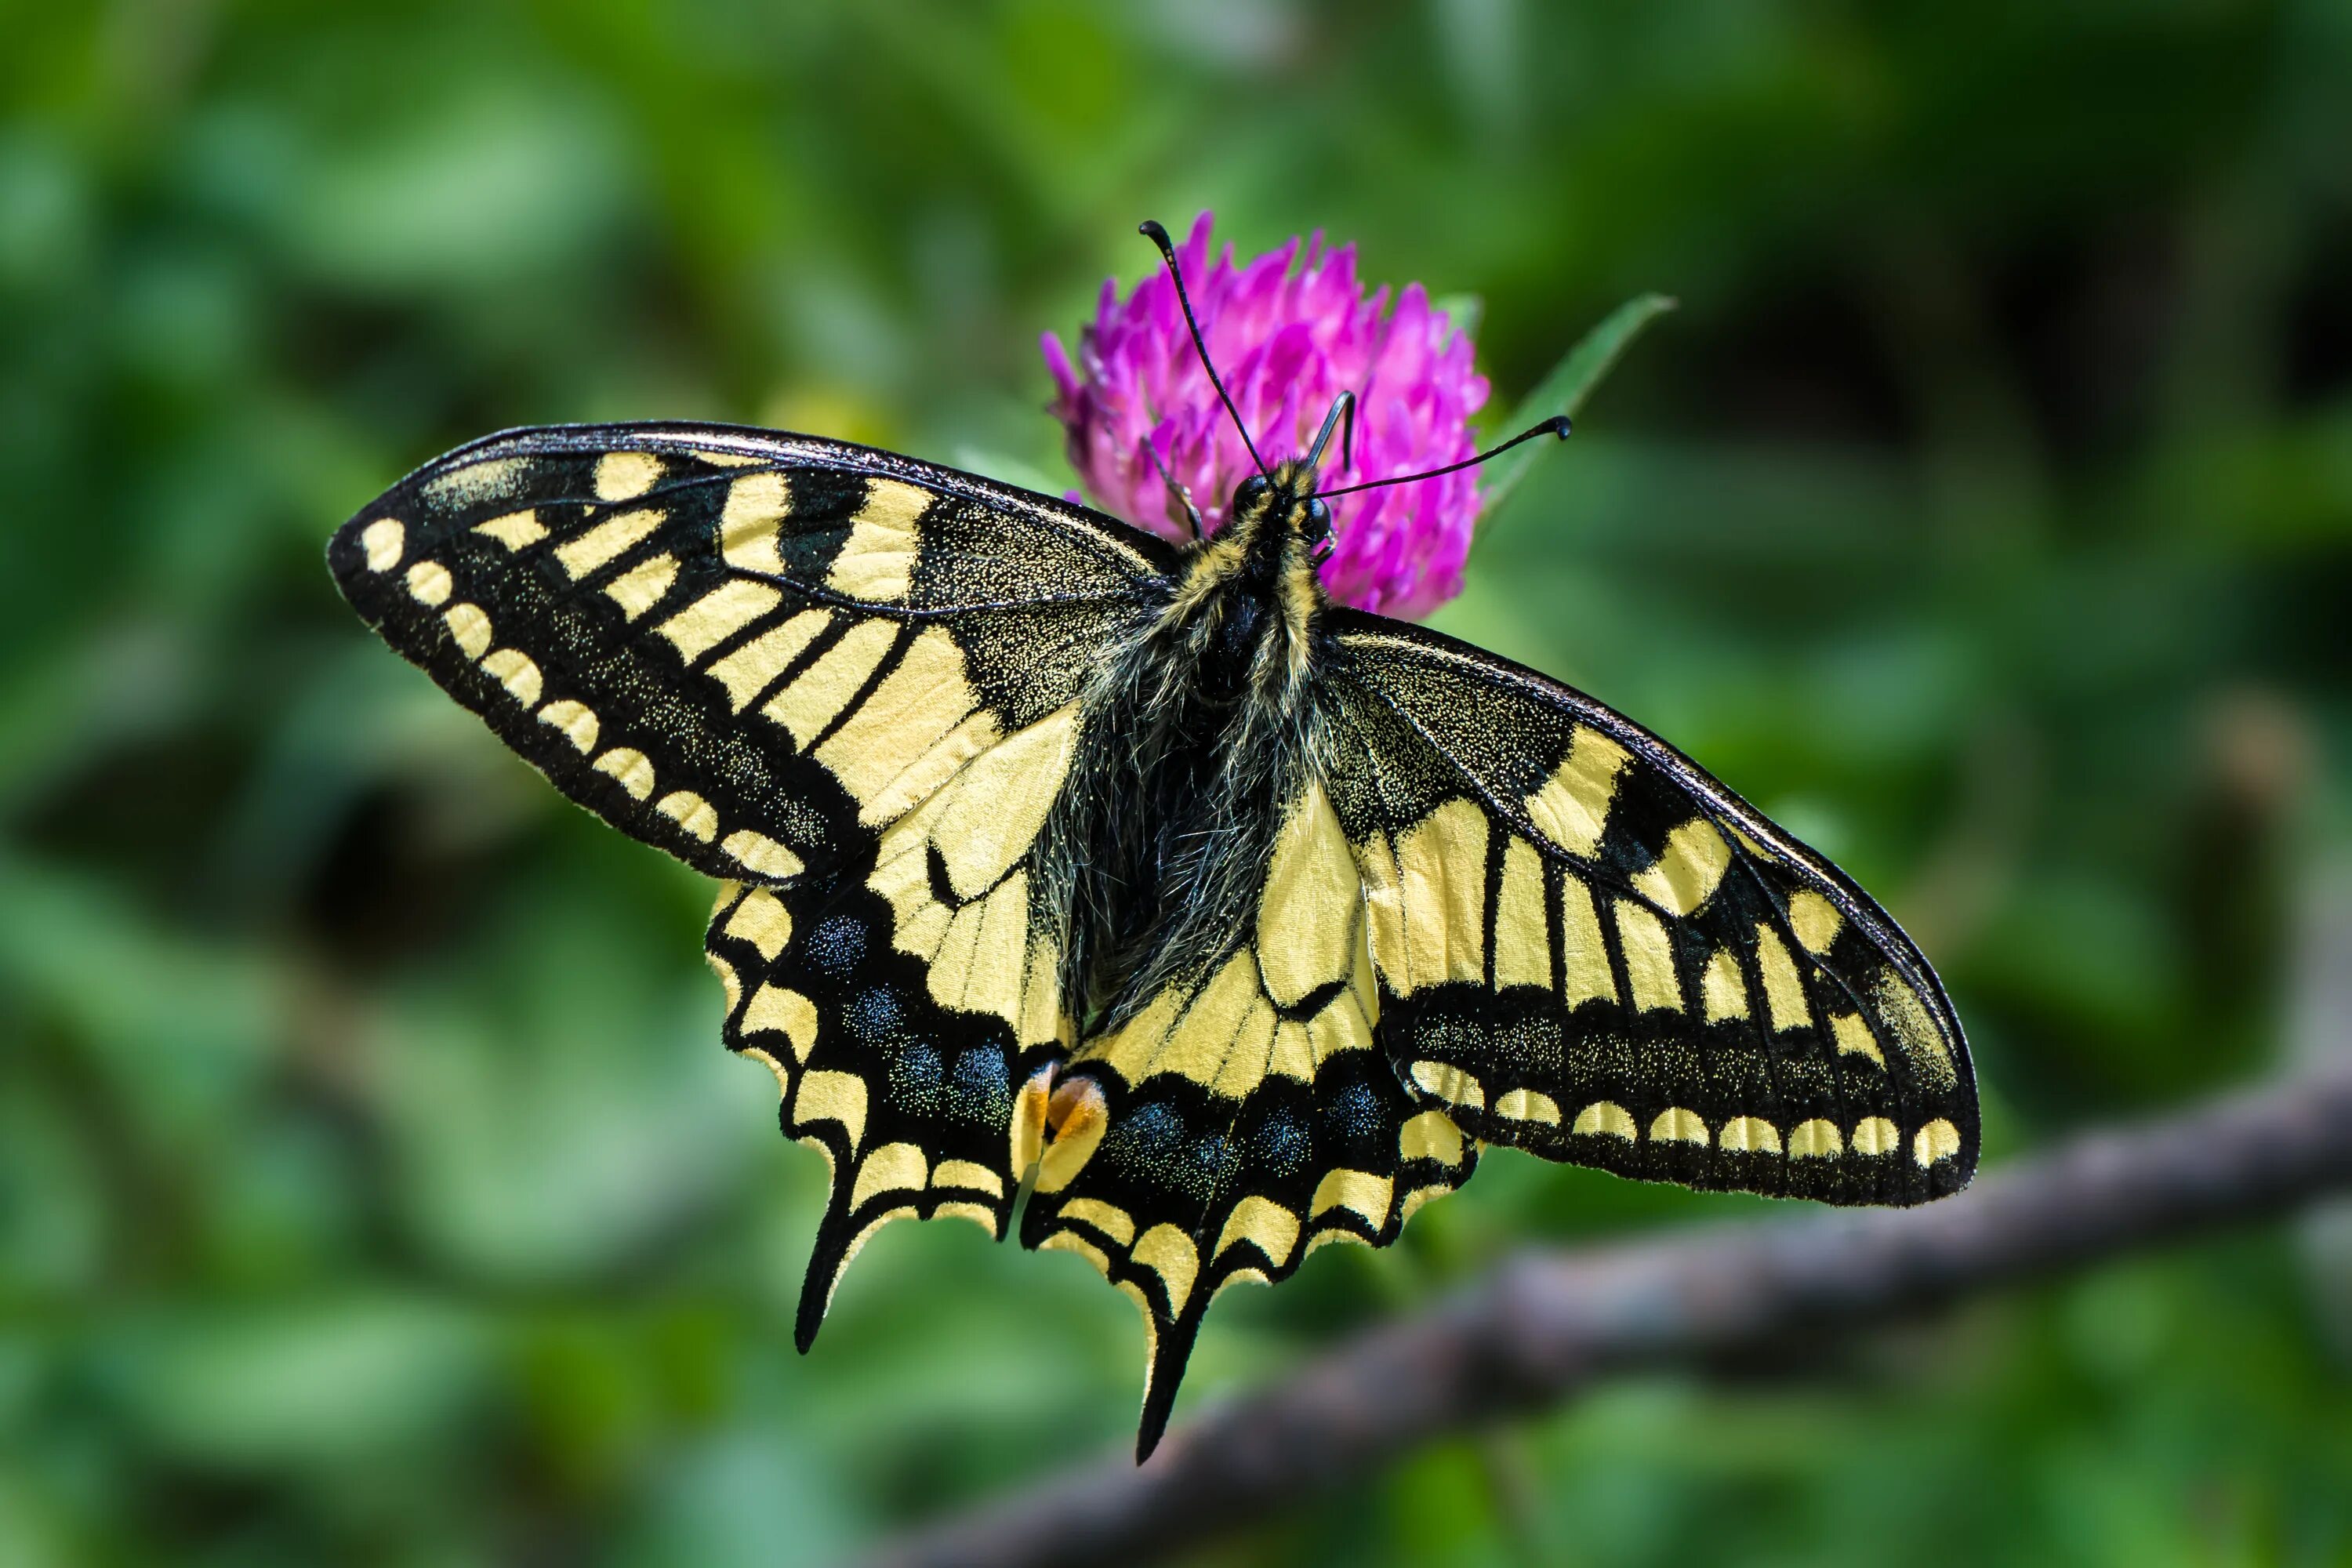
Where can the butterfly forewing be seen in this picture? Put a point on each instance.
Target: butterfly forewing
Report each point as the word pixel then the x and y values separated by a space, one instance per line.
pixel 1589 949
pixel 751 650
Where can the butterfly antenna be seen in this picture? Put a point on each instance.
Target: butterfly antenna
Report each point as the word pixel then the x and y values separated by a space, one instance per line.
pixel 1557 424
pixel 1151 229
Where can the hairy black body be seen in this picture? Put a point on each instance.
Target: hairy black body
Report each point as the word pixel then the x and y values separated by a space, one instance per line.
pixel 1195 735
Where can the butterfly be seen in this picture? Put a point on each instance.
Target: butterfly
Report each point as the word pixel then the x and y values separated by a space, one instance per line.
pixel 1137 885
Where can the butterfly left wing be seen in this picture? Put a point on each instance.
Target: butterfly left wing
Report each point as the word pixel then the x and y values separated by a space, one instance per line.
pixel 752 649
pixel 841 679
pixel 1589 949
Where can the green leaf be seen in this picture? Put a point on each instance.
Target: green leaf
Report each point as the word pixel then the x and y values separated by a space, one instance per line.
pixel 1563 391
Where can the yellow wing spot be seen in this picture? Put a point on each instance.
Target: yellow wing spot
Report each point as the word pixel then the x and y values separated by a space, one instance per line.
pixel 1170 1253
pixel 995 807
pixel 1442 863
pixel 1876 1135
pixel 928 771
pixel 470 628
pixel 721 457
pixel 891 1168
pixel 1604 1118
pixel 1853 1037
pixel 1752 1133
pixel 1649 959
pixel 627 767
pixel 1939 1140
pixel 1108 1218
pixel 923 698
pixel 1784 990
pixel 1585 972
pixel 979 967
pixel 1522 944
pixel 383 541
pixel 784 1079
pixel 695 816
pixel 1209 1018
pixel 574 721
pixel 876 563
pixel 1262 1223
pixel 625 476
pixel 1076 1116
pixel 827 1096
pixel 1041 998
pixel 1247 1062
pixel 824 689
pixel 756 504
pixel 1815 921
pixel 1307 914
pixel 641 587
pixel 1900 1009
pixel 1723 994
pixel 779 1010
pixel 514 671
pixel 969 1174
pixel 1432 1135
pixel 761 855
pixel 477 482
pixel 1815 1139
pixel 1689 870
pixel 1676 1125
pixel 429 583
pixel 762 920
pixel 1573 807
pixel 1450 1084
pixel 516 530
pixel 750 670
pixel 718 616
pixel 1360 1192
pixel 1292 1056
pixel 1528 1105
pixel 607 541
pixel 1071 1241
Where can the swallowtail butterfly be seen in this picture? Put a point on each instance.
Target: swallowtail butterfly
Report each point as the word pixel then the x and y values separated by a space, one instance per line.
pixel 1224 920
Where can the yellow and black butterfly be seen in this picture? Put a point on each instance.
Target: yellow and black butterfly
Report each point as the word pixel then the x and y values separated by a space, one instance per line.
pixel 1058 858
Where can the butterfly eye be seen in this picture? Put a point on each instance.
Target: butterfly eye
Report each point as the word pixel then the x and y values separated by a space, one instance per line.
pixel 1318 523
pixel 1252 491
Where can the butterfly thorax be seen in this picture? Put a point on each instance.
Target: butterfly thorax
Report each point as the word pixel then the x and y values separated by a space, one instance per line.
pixel 1195 733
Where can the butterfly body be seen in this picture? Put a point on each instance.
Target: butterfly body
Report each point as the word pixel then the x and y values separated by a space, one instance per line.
pixel 1231 920
pixel 1199 727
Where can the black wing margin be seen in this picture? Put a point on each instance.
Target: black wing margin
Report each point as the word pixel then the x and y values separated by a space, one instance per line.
pixel 1591 949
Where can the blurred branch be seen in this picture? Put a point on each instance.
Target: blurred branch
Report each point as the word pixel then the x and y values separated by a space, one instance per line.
pixel 1543 1326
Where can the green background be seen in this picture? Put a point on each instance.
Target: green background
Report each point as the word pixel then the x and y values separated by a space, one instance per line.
pixel 372 1187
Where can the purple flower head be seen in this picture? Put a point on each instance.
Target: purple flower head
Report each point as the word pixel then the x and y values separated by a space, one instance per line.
pixel 1288 334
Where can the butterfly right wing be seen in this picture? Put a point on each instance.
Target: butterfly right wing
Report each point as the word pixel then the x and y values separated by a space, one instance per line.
pixel 1589 949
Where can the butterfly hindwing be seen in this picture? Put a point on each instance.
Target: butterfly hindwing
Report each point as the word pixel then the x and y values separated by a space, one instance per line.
pixel 1589 949
pixel 1245 1115
pixel 910 1098
pixel 752 650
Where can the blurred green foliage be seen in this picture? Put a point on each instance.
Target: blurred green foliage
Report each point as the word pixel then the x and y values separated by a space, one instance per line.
pixel 372 1189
